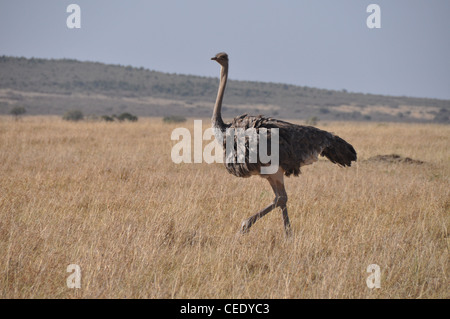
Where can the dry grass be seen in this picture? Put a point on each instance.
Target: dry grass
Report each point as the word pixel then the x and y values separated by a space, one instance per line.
pixel 106 196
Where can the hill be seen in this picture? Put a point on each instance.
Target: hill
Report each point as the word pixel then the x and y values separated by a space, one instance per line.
pixel 46 86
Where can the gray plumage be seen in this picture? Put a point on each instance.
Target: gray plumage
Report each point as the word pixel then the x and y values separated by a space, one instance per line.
pixel 299 145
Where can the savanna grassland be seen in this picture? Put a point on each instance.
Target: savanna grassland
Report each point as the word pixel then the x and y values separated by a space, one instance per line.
pixel 107 197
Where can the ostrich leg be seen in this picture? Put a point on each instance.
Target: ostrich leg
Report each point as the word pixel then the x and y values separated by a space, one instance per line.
pixel 246 224
pixel 277 183
pixel 282 200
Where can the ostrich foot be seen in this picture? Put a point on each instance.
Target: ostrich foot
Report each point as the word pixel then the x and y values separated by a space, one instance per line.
pixel 245 226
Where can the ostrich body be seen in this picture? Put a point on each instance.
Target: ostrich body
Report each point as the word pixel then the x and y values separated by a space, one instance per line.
pixel 298 146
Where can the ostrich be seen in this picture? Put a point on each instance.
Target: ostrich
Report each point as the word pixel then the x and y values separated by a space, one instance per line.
pixel 298 146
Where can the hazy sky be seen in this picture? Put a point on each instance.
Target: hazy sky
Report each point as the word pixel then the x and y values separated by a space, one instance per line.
pixel 318 43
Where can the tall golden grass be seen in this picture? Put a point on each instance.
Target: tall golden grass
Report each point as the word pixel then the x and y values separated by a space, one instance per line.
pixel 107 197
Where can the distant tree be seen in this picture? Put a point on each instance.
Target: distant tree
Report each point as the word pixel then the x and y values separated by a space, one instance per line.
pixel 17 111
pixel 73 115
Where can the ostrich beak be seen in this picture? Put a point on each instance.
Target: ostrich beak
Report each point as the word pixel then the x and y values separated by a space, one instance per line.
pixel 214 58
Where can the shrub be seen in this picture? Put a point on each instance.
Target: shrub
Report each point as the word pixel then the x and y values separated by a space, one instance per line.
pixel 128 117
pixel 107 118
pixel 91 118
pixel 312 120
pixel 174 119
pixel 17 111
pixel 73 115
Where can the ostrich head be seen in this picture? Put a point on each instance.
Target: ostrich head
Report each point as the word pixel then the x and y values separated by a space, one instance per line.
pixel 221 58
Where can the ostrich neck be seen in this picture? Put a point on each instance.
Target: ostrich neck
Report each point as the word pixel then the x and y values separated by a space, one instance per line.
pixel 217 121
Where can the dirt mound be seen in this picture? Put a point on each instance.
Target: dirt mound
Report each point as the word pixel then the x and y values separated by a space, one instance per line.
pixel 394 158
